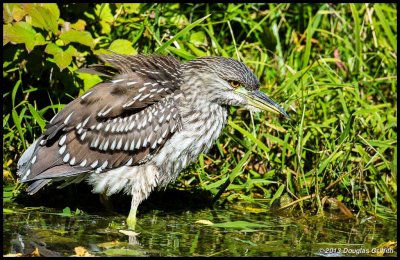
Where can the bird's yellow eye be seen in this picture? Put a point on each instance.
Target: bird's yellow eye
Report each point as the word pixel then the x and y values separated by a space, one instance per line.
pixel 234 84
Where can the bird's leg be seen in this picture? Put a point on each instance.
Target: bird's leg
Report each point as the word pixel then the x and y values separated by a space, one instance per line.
pixel 144 182
pixel 131 220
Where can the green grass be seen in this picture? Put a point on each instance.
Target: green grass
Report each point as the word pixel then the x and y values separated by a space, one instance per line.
pixel 333 67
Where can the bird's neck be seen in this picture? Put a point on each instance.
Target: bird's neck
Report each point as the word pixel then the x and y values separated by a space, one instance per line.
pixel 202 122
pixel 200 115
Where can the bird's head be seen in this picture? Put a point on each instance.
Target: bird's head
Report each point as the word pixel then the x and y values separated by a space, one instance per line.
pixel 230 82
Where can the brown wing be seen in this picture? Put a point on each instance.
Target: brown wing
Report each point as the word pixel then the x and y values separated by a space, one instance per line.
pixel 116 123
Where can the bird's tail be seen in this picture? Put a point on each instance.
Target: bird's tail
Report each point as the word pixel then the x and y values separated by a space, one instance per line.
pixel 23 162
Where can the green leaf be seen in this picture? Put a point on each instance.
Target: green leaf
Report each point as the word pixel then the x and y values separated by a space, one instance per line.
pixel 196 51
pixel 44 17
pixel 53 8
pixel 239 167
pixel 17 122
pixel 122 46
pixel 61 58
pixel 329 161
pixel 386 27
pixel 347 129
pixel 77 211
pixel 357 38
pixel 179 20
pixel 249 135
pixel 131 8
pixel 8 12
pixel 79 25
pixel 52 48
pixel 20 32
pixel 13 12
pixel 103 11
pixel 89 80
pixel 181 53
pixel 14 91
pixel 385 188
pixel 84 37
pixel 39 119
pixel 312 26
pixel 105 27
pixel 216 184
pixel 66 212
pixel 8 211
pixel 180 33
pixel 277 194
pixel 198 38
pixel 215 41
pixel 39 39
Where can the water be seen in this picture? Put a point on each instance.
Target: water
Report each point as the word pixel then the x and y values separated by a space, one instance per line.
pixel 186 233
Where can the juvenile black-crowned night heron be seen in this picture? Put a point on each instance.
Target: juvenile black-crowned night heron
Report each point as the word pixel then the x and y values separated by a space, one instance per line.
pixel 139 130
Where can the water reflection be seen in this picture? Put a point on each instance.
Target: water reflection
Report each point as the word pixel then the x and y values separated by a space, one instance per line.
pixel 180 233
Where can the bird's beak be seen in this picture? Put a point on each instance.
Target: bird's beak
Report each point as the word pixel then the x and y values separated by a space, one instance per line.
pixel 258 99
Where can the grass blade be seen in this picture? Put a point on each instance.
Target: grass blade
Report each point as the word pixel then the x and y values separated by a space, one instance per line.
pixel 181 33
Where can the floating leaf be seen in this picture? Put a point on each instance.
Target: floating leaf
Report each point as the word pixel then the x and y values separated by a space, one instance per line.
pixel 240 224
pixel 111 244
pixel 204 222
pixel 35 253
pixel 122 252
pixel 81 251
pixel 13 255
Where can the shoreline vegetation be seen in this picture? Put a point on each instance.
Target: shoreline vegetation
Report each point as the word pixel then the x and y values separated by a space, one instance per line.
pixel 332 67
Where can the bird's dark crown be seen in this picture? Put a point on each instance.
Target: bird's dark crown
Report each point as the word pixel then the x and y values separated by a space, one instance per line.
pixel 228 69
